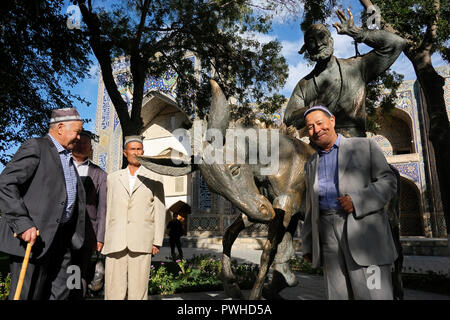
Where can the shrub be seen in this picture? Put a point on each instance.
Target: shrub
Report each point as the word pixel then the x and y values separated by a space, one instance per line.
pixel 4 286
pixel 301 265
pixel 200 273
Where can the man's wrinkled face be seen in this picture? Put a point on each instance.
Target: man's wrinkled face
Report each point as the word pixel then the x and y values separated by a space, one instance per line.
pixel 132 149
pixel 319 44
pixel 69 133
pixel 321 129
pixel 83 147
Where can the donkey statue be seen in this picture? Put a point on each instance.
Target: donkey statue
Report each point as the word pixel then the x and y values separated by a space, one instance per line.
pixel 272 199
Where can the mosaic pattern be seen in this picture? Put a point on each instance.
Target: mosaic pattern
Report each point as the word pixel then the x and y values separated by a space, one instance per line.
pixel 204 223
pixel 164 84
pixel 410 170
pixel 105 110
pixel 120 64
pixel 384 144
pixel 102 160
pixel 404 101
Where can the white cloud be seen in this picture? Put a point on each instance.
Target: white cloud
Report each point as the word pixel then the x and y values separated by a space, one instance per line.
pixel 260 37
pixel 296 72
pixel 290 49
pixel 343 47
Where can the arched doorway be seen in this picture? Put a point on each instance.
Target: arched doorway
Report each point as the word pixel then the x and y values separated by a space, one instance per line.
pixel 395 135
pixel 183 209
pixel 411 221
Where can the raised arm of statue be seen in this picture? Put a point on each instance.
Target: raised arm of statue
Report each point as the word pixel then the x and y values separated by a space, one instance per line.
pixel 387 46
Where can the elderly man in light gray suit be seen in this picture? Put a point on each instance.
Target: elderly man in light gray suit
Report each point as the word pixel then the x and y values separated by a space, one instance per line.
pixel 346 228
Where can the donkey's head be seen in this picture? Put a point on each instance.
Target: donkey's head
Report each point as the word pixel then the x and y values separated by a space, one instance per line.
pixel 235 182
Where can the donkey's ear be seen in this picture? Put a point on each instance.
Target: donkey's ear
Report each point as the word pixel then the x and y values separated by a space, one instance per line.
pixel 169 163
pixel 219 114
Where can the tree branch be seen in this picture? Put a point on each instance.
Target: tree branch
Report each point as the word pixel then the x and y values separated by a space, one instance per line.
pixel 102 52
pixel 431 32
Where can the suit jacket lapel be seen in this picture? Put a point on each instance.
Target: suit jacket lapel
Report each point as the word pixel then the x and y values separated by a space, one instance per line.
pixel 123 177
pixel 344 156
pixel 91 172
pixel 55 155
pixel 313 176
pixel 138 182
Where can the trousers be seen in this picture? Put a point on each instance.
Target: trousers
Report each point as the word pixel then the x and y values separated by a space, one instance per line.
pixel 127 272
pixel 344 279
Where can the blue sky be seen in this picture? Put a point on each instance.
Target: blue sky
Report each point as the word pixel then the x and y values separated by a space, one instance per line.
pixel 286 28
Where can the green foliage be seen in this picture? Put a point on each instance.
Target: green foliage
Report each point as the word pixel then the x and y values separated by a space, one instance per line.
pixel 4 286
pixel 161 280
pixel 381 94
pixel 301 265
pixel 217 32
pixel 199 273
pixel 317 12
pixel 40 57
pixel 412 19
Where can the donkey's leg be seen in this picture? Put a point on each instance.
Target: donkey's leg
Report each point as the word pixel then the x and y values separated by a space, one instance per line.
pixel 282 274
pixel 276 232
pixel 226 274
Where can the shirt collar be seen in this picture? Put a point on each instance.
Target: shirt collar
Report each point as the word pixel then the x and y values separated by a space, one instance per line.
pixel 135 174
pixel 334 146
pixel 58 146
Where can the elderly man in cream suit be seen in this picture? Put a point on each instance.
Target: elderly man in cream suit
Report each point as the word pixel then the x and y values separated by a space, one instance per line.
pixel 135 224
pixel 346 228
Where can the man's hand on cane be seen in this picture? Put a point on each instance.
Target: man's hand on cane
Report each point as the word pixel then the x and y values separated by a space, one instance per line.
pixel 29 235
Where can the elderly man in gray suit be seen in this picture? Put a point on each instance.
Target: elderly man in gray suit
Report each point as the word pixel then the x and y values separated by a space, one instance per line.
pixel 40 189
pixel 346 228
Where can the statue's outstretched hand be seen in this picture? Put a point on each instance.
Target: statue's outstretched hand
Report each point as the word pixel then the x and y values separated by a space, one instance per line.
pixel 347 25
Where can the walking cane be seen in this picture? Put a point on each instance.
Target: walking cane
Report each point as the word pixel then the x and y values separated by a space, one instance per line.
pixel 23 271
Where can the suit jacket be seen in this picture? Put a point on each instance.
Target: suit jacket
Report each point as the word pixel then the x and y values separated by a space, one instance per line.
pixel 135 221
pixel 364 175
pixel 95 187
pixel 33 194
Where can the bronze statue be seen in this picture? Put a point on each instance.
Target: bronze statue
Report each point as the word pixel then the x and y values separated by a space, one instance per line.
pixel 340 85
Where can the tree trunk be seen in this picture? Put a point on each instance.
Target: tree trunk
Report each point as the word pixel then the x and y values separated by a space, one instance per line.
pixel 439 132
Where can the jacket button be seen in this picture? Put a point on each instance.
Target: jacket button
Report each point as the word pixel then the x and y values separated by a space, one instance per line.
pixel 57 220
pixel 62 203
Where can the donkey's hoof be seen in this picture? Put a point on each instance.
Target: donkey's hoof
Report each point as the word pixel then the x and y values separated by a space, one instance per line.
pixel 271 295
pixel 232 290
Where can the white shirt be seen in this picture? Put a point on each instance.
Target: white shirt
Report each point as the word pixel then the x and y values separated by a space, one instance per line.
pixel 82 167
pixel 132 178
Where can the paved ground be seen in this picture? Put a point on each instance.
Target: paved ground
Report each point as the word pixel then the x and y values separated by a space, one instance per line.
pixel 310 287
